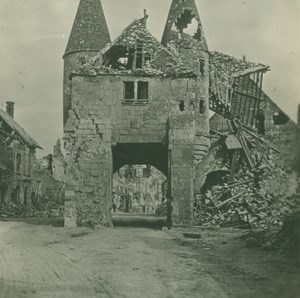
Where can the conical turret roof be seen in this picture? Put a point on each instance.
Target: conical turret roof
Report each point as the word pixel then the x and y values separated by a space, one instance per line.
pixel 181 15
pixel 90 31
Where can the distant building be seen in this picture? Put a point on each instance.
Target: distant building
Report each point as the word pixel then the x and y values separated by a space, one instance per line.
pixel 17 156
pixel 138 189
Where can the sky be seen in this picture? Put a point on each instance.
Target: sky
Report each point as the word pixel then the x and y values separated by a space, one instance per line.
pixel 34 34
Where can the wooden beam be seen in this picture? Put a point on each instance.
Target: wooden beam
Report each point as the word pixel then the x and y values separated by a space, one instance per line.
pixel 261 139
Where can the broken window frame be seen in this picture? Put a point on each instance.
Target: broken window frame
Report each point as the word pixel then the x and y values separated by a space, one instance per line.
pixel 135 57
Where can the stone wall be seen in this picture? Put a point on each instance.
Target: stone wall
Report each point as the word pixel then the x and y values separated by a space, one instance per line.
pixel 100 119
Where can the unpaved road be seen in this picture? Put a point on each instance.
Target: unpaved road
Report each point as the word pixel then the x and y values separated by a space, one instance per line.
pixel 38 260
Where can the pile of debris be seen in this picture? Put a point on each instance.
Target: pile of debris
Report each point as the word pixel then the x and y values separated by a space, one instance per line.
pixel 251 192
pixel 39 210
pixel 243 203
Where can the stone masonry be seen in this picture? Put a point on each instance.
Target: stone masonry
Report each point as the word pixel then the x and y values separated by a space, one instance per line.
pixel 136 102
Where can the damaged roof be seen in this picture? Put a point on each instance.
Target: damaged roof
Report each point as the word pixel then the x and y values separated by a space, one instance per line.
pixel 162 62
pixel 89 31
pixel 28 140
pixel 223 68
pixel 181 15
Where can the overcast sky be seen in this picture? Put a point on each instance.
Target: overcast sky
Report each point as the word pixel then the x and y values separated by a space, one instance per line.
pixel 34 34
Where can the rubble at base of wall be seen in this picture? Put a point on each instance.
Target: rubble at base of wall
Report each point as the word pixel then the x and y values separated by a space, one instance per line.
pixel 40 210
pixel 257 198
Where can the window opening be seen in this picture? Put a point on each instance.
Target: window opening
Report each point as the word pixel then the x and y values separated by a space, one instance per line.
pixel 142 91
pixel 202 106
pixel 181 106
pixel 128 90
pixel 147 59
pixel 19 161
pixel 202 66
pixel 280 118
pixel 139 55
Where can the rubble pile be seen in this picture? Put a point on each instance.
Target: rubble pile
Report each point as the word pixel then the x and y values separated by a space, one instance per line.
pixel 40 210
pixel 255 198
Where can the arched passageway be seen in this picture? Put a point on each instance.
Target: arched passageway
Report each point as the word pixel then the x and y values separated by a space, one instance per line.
pixel 155 154
pixel 140 184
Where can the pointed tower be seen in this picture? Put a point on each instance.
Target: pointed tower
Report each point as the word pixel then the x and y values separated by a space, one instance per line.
pixel 184 36
pixel 88 36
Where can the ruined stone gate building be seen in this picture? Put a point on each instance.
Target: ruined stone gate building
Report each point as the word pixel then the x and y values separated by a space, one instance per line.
pixel 138 101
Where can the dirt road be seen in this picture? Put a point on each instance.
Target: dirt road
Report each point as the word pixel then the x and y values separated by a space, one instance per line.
pixel 39 260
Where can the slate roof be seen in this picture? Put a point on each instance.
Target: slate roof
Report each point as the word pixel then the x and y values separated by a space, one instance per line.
pixel 90 31
pixel 29 141
pixel 163 62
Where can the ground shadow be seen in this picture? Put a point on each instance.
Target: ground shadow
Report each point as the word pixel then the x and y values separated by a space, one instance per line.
pixel 54 222
pixel 139 221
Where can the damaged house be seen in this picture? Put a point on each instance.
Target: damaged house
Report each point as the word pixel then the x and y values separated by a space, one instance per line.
pixel 17 155
pixel 140 101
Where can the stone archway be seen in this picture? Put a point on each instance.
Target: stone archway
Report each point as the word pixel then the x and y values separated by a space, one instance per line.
pixel 155 154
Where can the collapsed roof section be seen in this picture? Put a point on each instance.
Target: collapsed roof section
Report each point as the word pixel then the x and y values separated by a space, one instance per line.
pixel 224 68
pixel 236 87
pixel 184 24
pixel 136 52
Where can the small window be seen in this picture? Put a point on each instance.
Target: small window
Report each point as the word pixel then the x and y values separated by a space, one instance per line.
pixel 139 55
pixel 18 162
pixel 181 106
pixel 201 106
pixel 142 90
pixel 202 66
pixel 128 90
